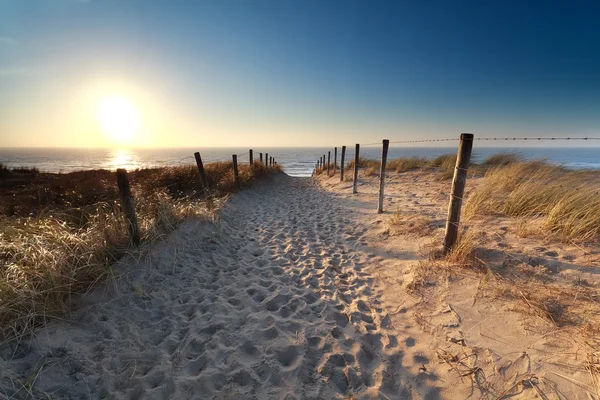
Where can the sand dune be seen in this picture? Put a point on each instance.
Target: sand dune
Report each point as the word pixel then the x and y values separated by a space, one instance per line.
pixel 297 292
pixel 272 302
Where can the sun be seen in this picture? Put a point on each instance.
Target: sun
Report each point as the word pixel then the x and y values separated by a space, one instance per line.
pixel 119 118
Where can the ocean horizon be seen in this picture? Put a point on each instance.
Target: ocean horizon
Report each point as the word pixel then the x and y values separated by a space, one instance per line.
pixel 296 161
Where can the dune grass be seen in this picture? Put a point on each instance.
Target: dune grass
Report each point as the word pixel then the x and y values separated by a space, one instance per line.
pixel 63 237
pixel 502 159
pixel 566 200
pixel 444 163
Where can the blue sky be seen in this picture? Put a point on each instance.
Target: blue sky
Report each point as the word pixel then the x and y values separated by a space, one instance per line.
pixel 309 73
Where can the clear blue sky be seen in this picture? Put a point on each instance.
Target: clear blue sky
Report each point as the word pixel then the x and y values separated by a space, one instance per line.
pixel 309 73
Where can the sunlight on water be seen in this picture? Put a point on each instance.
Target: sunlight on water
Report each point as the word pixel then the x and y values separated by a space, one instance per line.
pixel 121 158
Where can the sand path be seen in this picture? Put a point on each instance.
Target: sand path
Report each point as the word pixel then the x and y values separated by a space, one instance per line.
pixel 275 301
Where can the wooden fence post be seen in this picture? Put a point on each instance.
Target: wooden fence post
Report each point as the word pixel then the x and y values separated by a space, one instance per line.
pixel 267 160
pixel 334 159
pixel 463 158
pixel 328 162
pixel 355 180
pixel 251 156
pixel 261 158
pixel 342 164
pixel 128 205
pixel 323 161
pixel 384 151
pixel 203 180
pixel 236 176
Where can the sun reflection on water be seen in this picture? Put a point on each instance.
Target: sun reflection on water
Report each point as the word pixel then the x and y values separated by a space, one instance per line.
pixel 121 158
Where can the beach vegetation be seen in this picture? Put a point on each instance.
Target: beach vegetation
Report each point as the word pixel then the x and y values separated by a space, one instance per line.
pixel 60 234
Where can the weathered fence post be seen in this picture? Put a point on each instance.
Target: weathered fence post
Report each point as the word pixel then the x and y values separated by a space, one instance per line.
pixel 203 180
pixel 384 151
pixel 355 180
pixel 334 159
pixel 128 205
pixel 251 156
pixel 342 163
pixel 261 158
pixel 267 160
pixel 323 161
pixel 328 162
pixel 236 176
pixel 458 189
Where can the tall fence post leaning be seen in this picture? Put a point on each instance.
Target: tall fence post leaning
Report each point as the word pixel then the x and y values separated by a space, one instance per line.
pixel 266 159
pixel 260 158
pixel 236 176
pixel 323 161
pixel 342 164
pixel 251 157
pixel 203 180
pixel 463 158
pixel 355 177
pixel 334 159
pixel 384 151
pixel 328 162
pixel 128 205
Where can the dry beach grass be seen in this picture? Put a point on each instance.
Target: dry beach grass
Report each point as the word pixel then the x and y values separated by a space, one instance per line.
pixel 61 233
pixel 303 291
pixel 521 286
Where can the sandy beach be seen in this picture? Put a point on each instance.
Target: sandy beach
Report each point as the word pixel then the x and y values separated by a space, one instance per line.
pixel 298 291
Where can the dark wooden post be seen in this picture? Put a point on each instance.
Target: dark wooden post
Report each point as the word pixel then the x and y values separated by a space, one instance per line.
pixel 267 160
pixel 355 180
pixel 463 158
pixel 342 164
pixel 203 180
pixel 334 159
pixel 251 156
pixel 384 151
pixel 128 205
pixel 328 162
pixel 319 163
pixel 261 158
pixel 323 164
pixel 235 172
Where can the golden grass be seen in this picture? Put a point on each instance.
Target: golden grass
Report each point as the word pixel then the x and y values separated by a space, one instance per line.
pixel 370 171
pixel 407 164
pixel 364 163
pixel 412 224
pixel 567 200
pixel 47 257
pixel 463 253
pixel 446 163
pixel 502 159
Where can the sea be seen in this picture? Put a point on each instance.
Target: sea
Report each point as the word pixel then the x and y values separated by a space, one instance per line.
pixel 296 161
